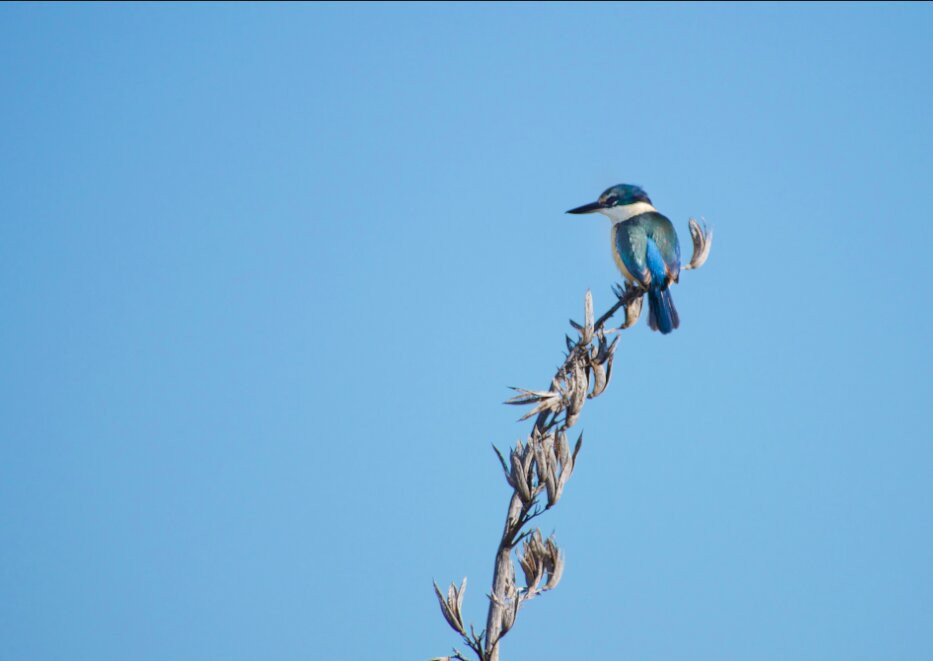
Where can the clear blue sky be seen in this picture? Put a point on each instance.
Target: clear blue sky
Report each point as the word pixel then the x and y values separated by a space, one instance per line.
pixel 266 272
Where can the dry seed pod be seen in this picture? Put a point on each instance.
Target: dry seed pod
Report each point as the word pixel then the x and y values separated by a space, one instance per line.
pixel 702 242
pixel 450 607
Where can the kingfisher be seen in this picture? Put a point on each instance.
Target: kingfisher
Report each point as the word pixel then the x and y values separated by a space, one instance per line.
pixel 645 248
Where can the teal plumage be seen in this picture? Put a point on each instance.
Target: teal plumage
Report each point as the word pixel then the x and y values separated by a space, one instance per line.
pixel 648 247
pixel 645 247
pixel 645 236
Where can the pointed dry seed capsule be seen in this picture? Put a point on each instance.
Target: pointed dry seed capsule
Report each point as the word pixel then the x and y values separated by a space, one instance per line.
pixel 563 448
pixel 551 452
pixel 581 383
pixel 452 619
pixel 554 487
pixel 566 470
pixel 528 456
pixel 531 567
pixel 632 311
pixel 530 547
pixel 520 477
pixel 595 349
pixel 545 476
pixel 604 349
pixel 611 350
pixel 599 380
pixel 576 448
pixel 555 565
pixel 578 387
pixel 537 446
pixel 606 369
pixel 555 490
pixel 528 568
pixel 460 594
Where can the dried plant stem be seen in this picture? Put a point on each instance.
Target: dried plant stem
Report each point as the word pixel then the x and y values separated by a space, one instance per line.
pixel 520 512
pixel 539 469
pixel 501 574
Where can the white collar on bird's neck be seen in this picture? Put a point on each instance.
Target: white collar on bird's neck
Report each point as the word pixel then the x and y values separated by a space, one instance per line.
pixel 625 211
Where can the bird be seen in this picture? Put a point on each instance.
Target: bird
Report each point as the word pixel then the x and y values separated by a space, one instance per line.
pixel 645 248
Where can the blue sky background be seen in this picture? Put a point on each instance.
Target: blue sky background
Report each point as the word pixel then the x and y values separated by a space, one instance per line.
pixel 266 272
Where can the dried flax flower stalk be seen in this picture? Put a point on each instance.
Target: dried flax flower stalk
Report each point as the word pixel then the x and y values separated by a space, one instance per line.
pixel 539 468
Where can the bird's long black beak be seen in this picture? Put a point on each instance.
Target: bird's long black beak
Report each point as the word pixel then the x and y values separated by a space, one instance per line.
pixel 587 208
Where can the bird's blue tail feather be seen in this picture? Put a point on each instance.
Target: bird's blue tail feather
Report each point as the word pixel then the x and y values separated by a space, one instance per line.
pixel 662 315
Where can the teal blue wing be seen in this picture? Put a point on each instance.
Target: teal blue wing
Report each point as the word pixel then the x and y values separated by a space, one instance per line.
pixel 648 247
pixel 664 256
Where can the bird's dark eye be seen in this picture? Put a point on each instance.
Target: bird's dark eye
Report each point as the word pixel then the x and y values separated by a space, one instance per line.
pixel 611 200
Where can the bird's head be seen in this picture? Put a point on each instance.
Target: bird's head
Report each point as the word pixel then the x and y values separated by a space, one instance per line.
pixel 613 201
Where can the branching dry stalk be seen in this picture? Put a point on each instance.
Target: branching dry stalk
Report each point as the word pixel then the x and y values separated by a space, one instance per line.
pixel 539 469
